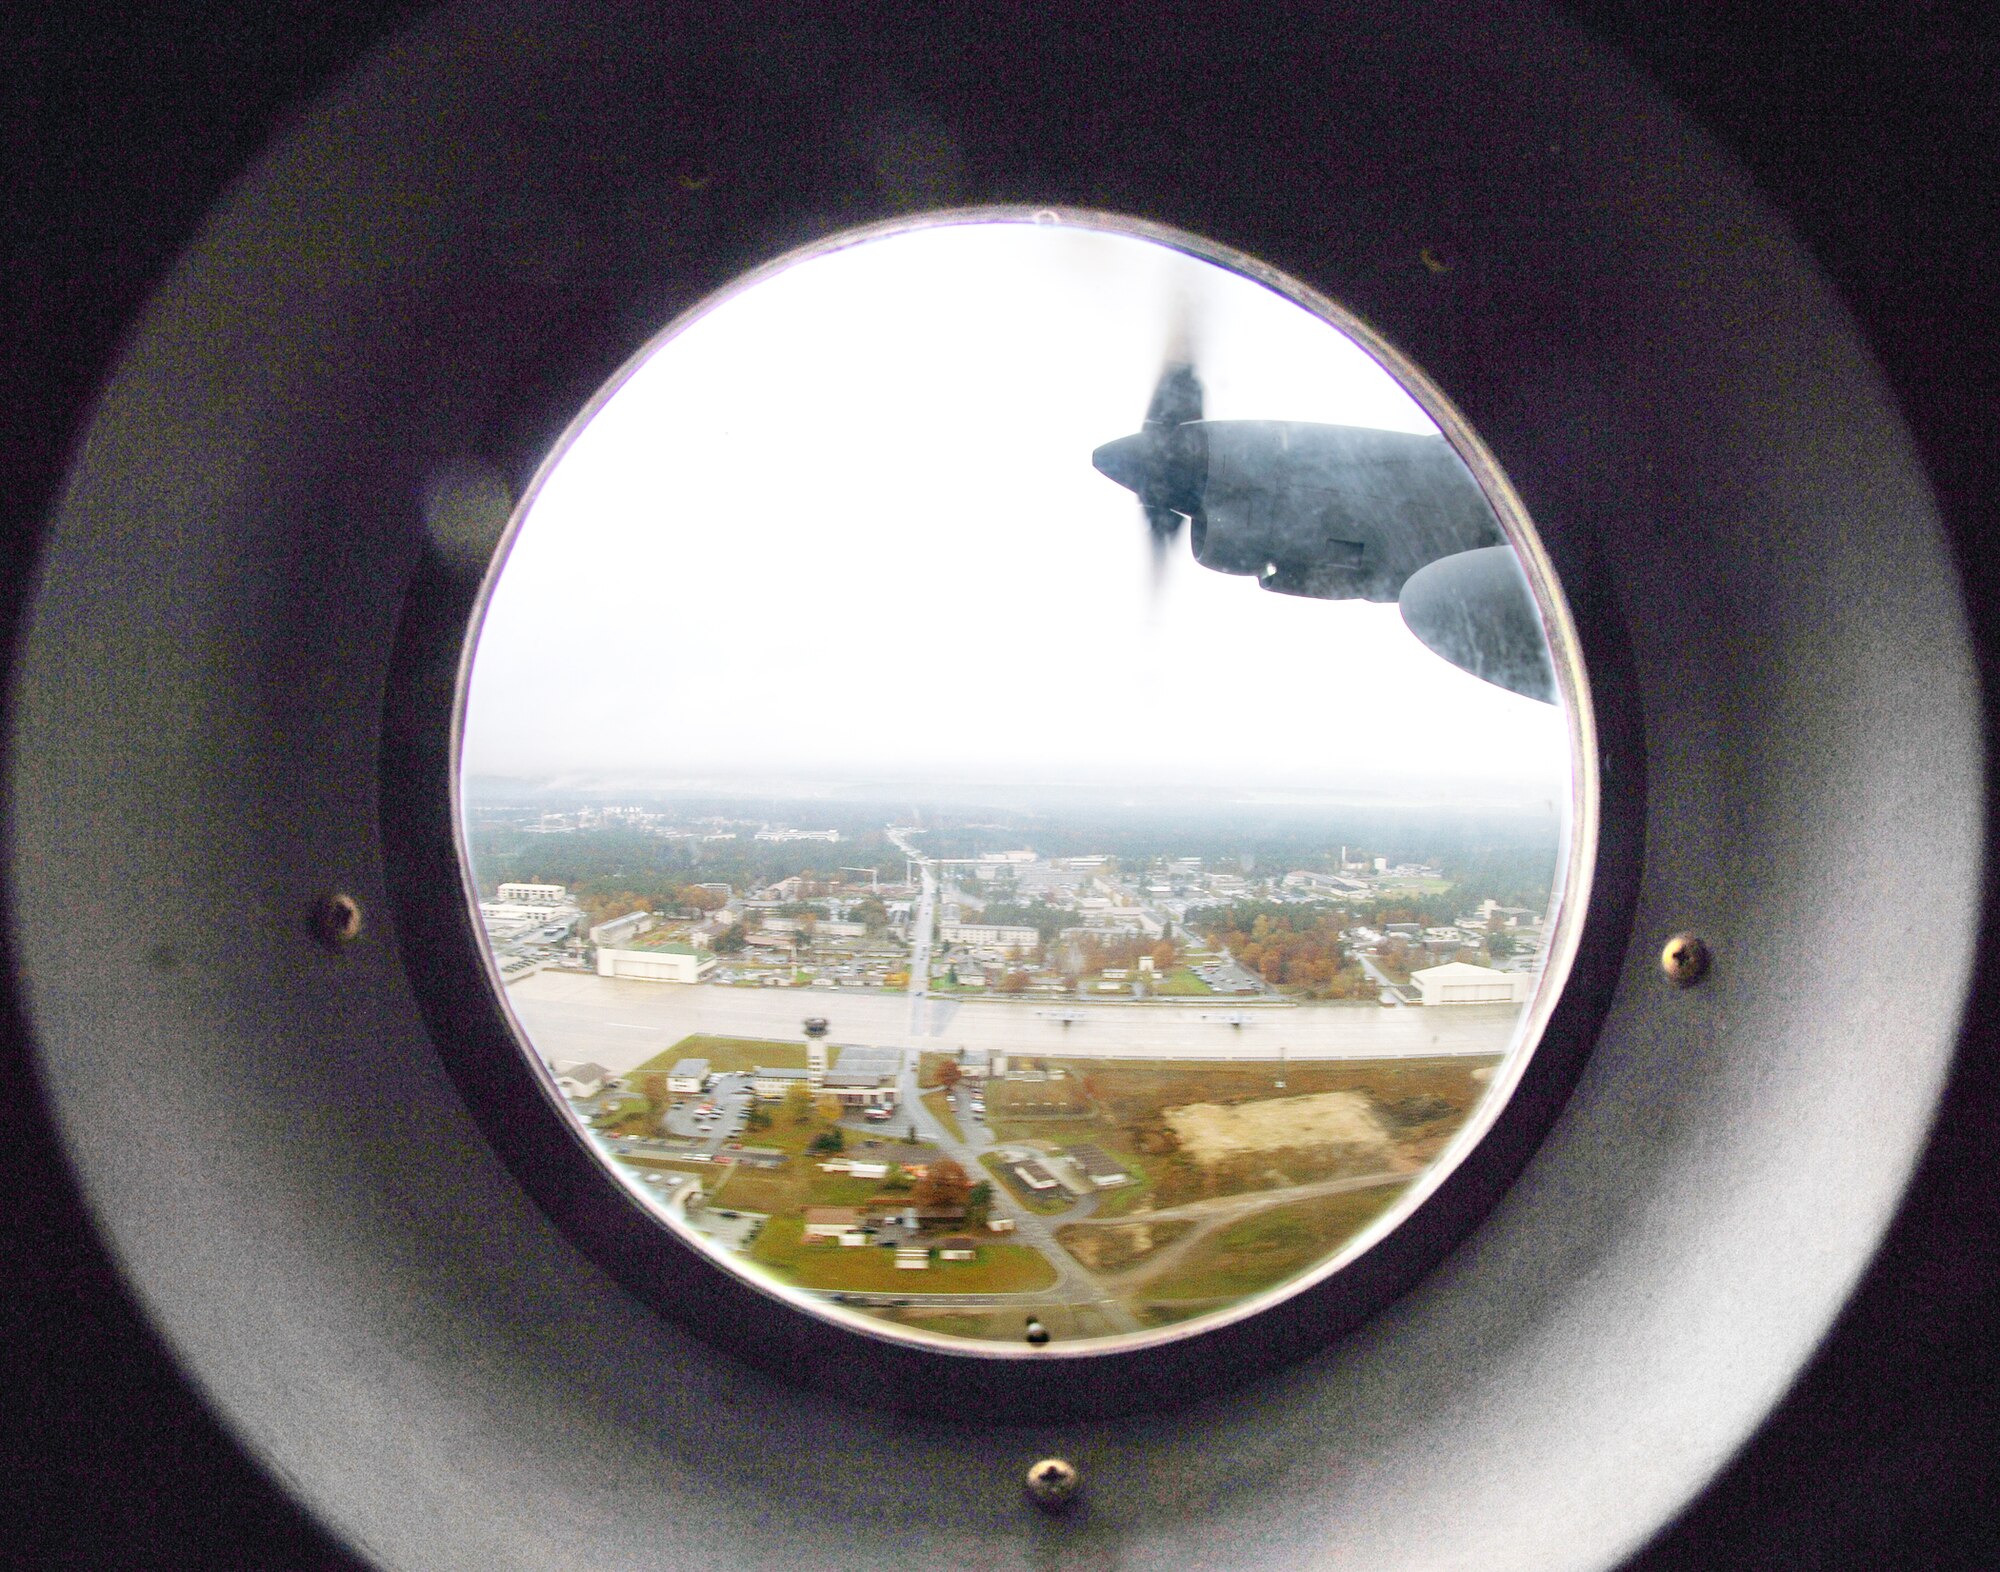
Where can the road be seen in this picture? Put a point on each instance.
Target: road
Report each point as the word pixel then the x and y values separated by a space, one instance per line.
pixel 1214 1214
pixel 1073 1285
pixel 922 927
pixel 1390 991
pixel 619 1023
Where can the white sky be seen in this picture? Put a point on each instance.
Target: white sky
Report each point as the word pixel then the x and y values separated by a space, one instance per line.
pixel 847 523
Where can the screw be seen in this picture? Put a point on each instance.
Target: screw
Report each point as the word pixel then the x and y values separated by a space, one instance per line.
pixel 1053 1484
pixel 337 920
pixel 1684 960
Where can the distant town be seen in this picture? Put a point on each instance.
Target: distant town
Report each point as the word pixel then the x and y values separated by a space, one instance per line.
pixel 972 1078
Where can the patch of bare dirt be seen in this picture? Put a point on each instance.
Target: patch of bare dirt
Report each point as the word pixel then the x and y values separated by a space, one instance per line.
pixel 1111 1247
pixel 1211 1133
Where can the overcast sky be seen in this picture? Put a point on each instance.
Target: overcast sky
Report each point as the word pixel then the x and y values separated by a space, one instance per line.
pixel 846 523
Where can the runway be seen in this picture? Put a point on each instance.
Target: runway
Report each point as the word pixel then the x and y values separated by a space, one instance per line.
pixel 620 1023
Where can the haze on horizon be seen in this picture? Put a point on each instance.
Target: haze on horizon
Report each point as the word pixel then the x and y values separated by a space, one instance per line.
pixel 844 528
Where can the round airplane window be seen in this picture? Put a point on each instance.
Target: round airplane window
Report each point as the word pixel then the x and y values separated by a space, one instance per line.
pixel 1026 782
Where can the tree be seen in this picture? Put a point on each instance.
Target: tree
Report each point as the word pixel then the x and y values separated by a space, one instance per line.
pixel 799 1102
pixel 827 1106
pixel 828 1141
pixel 658 1099
pixel 758 1118
pixel 948 1074
pixel 1014 982
pixel 978 1203
pixel 944 1184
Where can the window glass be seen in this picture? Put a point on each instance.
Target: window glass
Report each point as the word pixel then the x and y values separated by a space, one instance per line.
pixel 1018 785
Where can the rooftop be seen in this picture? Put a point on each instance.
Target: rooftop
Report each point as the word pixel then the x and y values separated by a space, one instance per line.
pixel 1456 969
pixel 657 942
pixel 1095 1162
pixel 577 1070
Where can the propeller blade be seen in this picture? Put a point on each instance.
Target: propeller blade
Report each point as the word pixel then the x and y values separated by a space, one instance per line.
pixel 1474 608
pixel 1177 397
pixel 1165 462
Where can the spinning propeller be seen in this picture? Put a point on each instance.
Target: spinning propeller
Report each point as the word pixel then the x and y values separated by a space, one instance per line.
pixel 1335 513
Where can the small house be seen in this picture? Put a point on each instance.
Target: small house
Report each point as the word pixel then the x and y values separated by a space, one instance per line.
pixel 1098 1167
pixel 1034 1175
pixel 578 1079
pixel 833 1222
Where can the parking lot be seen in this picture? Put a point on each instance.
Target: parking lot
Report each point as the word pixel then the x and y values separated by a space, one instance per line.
pixel 714 1117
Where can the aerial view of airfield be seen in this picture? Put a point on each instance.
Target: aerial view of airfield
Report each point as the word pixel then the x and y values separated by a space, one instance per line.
pixel 963 905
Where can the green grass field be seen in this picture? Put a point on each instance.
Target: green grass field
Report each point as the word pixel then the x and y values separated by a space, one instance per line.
pixel 725 1054
pixel 1180 983
pixel 939 1103
pixel 787 1191
pixel 1269 1247
pixel 1000 1269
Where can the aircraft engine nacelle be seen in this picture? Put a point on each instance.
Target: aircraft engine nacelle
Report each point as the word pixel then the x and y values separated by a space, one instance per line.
pixel 1336 512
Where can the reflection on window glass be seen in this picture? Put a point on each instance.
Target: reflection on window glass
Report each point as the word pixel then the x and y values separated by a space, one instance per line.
pixel 1016 783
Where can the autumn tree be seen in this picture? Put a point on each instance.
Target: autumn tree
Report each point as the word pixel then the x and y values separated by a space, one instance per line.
pixel 799 1102
pixel 1014 982
pixel 1303 949
pixel 657 1095
pixel 600 906
pixel 949 1074
pixel 944 1184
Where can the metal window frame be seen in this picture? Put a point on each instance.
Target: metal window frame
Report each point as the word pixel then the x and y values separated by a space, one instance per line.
pixel 372 1302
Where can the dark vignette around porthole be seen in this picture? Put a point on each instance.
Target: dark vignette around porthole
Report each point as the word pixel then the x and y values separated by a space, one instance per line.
pixel 835 1343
